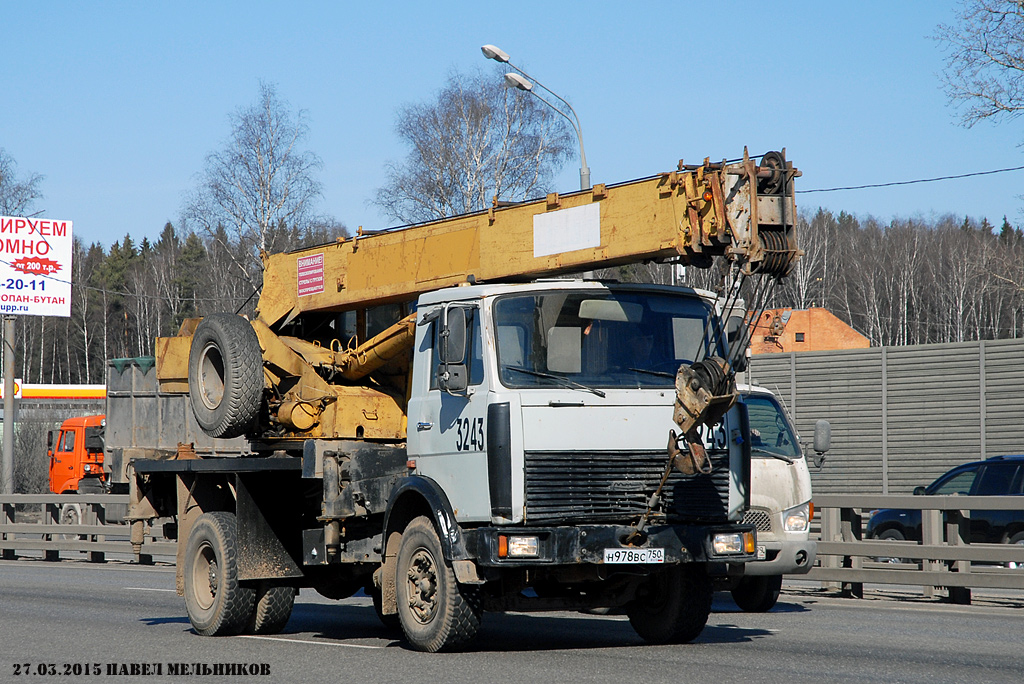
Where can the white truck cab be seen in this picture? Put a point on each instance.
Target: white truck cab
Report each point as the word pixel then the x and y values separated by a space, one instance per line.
pixel 780 499
pixel 580 376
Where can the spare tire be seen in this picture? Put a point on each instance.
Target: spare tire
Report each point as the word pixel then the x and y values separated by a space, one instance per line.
pixel 225 375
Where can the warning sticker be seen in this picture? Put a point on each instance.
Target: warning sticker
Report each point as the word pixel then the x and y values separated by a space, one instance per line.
pixel 310 275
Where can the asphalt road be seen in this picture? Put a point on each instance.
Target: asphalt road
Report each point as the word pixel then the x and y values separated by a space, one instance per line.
pixel 75 614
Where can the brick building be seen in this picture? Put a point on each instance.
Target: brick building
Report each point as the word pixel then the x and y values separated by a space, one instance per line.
pixel 794 330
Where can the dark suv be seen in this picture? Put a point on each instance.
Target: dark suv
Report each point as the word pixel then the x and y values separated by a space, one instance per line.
pixel 997 476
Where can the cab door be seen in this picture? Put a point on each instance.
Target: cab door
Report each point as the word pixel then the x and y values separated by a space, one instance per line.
pixel 447 430
pixel 63 473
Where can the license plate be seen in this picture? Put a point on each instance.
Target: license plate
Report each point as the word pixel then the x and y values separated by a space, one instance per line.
pixel 761 553
pixel 634 555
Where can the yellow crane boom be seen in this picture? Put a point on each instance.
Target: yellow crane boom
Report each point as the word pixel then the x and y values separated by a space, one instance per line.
pixel 740 210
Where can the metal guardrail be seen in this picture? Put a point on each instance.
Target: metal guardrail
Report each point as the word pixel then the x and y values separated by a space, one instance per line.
pixel 32 522
pixel 944 558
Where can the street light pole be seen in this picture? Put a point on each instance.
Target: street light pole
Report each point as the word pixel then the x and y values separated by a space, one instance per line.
pixel 520 81
pixel 8 439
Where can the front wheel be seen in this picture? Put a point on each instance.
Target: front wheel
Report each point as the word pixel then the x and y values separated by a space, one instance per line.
pixel 757 594
pixel 71 514
pixel 672 606
pixel 217 604
pixel 891 534
pixel 435 612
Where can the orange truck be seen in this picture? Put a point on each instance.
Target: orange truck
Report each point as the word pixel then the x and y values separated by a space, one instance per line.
pixel 76 462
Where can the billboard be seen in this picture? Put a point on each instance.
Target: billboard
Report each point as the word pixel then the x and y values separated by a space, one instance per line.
pixel 35 266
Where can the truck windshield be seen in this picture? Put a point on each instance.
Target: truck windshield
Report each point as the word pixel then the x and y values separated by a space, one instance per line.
pixel 599 338
pixel 770 431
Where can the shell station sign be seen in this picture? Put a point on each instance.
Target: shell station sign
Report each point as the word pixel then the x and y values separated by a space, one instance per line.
pixel 35 266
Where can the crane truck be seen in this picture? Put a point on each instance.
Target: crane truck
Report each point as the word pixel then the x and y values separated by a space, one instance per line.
pixel 441 416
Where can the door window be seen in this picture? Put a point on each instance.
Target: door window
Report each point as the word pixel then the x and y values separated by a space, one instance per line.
pixel 956 483
pixel 67 441
pixel 996 479
pixel 770 432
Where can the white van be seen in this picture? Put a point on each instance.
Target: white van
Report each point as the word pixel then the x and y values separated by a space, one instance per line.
pixel 780 499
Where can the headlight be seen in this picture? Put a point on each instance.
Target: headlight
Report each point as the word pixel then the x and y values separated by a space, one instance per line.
pixel 797 519
pixel 728 543
pixel 518 547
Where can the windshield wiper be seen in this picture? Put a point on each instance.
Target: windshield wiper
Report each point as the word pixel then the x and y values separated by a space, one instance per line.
pixel 660 374
pixel 787 459
pixel 564 381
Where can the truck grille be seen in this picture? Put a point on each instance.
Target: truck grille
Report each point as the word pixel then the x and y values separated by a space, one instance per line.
pixel 762 520
pixel 583 487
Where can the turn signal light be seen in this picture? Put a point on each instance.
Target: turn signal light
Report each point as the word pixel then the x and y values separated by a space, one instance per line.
pixel 708 195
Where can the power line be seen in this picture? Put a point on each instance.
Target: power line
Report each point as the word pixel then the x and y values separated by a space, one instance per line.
pixel 121 293
pixel 911 182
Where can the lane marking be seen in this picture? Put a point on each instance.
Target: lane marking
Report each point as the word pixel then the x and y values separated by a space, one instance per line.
pixel 306 641
pixel 173 591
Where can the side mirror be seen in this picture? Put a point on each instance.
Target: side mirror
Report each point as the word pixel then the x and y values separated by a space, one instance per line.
pixel 822 436
pixel 453 336
pixel 452 378
pixel 822 441
pixel 452 374
pixel 49 439
pixel 919 491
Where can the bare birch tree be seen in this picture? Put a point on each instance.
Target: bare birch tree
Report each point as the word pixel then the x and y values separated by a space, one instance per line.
pixel 260 180
pixel 474 142
pixel 985 63
pixel 16 196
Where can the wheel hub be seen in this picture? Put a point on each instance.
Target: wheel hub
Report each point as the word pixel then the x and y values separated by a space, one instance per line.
pixel 422 585
pixel 205 575
pixel 213 578
pixel 211 376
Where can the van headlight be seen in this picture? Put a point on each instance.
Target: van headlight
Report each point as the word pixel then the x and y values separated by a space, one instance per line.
pixel 797 519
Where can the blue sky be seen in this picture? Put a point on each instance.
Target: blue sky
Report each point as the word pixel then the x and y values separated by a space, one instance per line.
pixel 118 103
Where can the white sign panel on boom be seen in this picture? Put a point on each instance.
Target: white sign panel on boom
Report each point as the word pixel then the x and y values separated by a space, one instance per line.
pixel 35 266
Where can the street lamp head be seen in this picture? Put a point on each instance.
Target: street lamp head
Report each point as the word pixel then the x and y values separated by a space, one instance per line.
pixel 516 81
pixel 494 52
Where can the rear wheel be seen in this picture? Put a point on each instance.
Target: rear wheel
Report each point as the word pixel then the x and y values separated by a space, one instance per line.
pixel 672 606
pixel 273 607
pixel 757 594
pixel 217 604
pixel 435 612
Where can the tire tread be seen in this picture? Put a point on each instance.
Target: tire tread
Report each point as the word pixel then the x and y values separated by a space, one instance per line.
pixel 272 610
pixel 243 375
